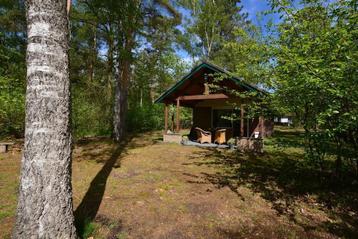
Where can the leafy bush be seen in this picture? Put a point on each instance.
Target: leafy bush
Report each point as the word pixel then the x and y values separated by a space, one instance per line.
pixel 91 115
pixel 12 107
pixel 148 117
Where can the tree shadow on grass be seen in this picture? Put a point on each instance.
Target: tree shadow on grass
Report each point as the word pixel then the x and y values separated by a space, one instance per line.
pixel 286 139
pixel 88 208
pixel 283 179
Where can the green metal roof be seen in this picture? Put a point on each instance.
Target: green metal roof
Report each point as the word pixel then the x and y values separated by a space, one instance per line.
pixel 211 67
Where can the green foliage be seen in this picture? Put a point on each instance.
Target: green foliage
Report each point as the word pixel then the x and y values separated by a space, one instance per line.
pixel 210 26
pixel 313 57
pixel 220 32
pixel 12 68
pixel 12 39
pixel 12 102
pixel 145 118
pixel 106 48
pixel 87 229
pixel 316 74
pixel 91 116
pixel 153 74
pixel 247 44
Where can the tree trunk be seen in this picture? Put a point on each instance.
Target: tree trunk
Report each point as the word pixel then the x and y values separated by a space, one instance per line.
pixel 121 85
pixel 117 111
pixel 339 159
pixel 110 61
pixel 93 53
pixel 45 194
pixel 141 98
pixel 120 99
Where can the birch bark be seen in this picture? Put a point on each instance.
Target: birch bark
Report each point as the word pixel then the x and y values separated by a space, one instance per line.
pixel 45 194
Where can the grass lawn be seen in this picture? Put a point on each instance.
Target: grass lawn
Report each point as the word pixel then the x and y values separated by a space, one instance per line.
pixel 144 188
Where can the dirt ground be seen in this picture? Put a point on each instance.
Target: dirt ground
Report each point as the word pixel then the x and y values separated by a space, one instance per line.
pixel 144 188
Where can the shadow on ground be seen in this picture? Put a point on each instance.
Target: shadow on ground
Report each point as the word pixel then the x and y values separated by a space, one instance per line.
pixel 87 210
pixel 291 186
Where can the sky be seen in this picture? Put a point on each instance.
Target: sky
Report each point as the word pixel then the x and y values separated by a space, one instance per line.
pixel 254 8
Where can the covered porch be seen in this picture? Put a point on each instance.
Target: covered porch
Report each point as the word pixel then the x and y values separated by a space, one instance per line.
pixel 217 117
pixel 212 113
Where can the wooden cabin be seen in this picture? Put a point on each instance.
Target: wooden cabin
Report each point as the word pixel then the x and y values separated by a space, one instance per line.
pixel 211 108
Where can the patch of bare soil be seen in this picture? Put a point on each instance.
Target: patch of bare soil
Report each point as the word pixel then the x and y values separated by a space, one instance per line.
pixel 143 188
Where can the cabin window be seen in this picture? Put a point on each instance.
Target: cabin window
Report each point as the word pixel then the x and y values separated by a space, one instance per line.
pixel 220 118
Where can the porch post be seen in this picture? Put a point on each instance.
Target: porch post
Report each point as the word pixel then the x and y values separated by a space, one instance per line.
pixel 165 118
pixel 242 120
pixel 178 116
pixel 261 122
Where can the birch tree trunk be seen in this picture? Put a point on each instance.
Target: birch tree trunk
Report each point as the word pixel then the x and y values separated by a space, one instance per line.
pixel 45 195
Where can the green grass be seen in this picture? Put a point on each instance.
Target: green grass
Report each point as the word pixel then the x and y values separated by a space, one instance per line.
pixel 122 235
pixel 4 214
pixel 149 189
pixel 87 229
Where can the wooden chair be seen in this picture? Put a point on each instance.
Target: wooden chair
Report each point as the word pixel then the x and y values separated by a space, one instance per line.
pixel 220 136
pixel 203 136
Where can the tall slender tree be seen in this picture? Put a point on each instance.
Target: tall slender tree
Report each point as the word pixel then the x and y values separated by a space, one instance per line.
pixel 45 200
pixel 138 20
pixel 128 27
pixel 210 25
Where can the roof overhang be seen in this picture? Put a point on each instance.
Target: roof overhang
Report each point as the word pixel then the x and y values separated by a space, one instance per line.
pixel 214 68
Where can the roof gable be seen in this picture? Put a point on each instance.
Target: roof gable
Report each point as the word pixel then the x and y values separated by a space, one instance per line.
pixel 209 66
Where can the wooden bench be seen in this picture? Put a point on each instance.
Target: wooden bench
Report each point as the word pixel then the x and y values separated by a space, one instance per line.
pixel 4 146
